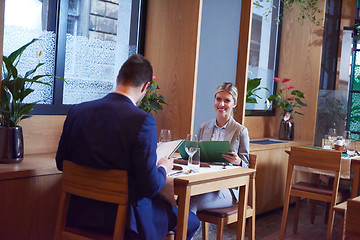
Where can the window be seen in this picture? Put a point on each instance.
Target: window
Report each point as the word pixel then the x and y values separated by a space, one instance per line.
pixel 263 51
pixel 84 41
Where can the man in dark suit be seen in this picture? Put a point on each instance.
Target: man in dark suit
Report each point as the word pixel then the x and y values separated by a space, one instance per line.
pixel 113 133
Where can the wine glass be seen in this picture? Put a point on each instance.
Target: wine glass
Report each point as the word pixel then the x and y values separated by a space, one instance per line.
pixel 326 142
pixel 332 136
pixel 347 138
pixel 165 136
pixel 191 147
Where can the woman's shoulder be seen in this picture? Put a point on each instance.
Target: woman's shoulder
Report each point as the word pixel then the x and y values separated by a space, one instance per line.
pixel 237 125
pixel 207 123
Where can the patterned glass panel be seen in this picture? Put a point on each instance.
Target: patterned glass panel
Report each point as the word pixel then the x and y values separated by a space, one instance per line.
pixel 96 51
pixel 355 113
pixel 356 80
pixel 20 30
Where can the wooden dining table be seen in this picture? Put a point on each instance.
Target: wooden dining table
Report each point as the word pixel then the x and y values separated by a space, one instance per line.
pixel 209 180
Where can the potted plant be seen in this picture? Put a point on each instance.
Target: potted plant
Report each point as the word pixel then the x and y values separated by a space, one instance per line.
pixel 251 89
pixel 152 101
pixel 287 99
pixel 14 89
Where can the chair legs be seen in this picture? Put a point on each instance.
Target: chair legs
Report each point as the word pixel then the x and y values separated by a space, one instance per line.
pixel 296 215
pixel 284 216
pixel 205 230
pixel 220 230
pixel 313 211
pixel 251 228
pixel 327 210
pixel 330 223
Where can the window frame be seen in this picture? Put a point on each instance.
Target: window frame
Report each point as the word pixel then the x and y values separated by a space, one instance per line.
pixel 57 22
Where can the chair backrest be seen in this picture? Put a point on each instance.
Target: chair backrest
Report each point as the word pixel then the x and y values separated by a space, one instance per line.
pixel 98 184
pixel 103 185
pixel 352 230
pixel 252 161
pixel 315 158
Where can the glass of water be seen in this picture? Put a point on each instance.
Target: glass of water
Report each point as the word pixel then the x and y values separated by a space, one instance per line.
pixel 351 148
pixel 191 147
pixel 326 144
pixel 165 136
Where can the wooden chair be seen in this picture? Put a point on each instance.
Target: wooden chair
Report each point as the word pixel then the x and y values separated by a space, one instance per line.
pixel 318 159
pixel 352 229
pixel 341 209
pixel 108 186
pixel 225 216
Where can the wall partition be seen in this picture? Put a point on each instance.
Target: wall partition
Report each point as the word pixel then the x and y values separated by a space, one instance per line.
pixel 219 40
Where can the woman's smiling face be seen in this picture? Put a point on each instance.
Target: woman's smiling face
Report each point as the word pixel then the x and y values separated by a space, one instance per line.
pixel 224 104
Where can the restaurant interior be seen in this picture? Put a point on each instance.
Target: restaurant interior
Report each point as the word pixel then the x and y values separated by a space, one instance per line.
pixel 296 67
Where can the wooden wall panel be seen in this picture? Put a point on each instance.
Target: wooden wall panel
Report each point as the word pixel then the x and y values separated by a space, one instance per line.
pixel 28 207
pixel 300 60
pixel 171 45
pixel 42 133
pixel 260 127
pixel 2 14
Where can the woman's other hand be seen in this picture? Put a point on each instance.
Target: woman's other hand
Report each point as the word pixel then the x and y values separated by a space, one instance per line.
pixel 233 158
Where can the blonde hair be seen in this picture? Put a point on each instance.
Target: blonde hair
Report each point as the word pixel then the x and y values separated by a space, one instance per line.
pixel 228 87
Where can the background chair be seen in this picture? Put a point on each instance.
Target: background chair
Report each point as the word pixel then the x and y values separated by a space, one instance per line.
pixel 318 159
pixel 108 186
pixel 352 229
pixel 225 216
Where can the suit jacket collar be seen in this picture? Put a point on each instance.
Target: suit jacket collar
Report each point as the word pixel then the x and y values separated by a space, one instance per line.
pixel 118 96
pixel 229 132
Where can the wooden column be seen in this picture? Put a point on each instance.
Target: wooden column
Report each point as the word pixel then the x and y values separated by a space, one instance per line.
pixel 243 58
pixel 300 60
pixel 171 45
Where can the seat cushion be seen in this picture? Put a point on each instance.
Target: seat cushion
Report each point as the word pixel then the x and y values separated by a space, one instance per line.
pixel 318 188
pixel 221 212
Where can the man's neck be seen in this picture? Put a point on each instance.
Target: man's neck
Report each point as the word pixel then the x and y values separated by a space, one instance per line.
pixel 127 91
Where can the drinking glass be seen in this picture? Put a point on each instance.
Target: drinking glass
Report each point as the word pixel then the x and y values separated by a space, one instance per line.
pixel 165 136
pixel 347 138
pixel 351 148
pixel 194 162
pixel 332 136
pixel 191 147
pixel 326 143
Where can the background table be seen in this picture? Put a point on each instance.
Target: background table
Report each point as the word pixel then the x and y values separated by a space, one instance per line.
pixel 209 180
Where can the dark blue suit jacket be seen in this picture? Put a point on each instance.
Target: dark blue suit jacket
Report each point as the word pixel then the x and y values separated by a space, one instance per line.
pixel 112 133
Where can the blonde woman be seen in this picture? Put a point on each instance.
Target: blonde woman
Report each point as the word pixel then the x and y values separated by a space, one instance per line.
pixel 224 128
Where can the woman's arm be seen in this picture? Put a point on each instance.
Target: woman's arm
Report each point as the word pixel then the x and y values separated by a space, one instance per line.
pixel 243 151
pixel 240 158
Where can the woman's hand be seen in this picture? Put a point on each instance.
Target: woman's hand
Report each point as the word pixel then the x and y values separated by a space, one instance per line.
pixel 233 158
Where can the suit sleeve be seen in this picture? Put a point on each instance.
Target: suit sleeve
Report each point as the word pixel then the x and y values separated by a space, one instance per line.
pixel 149 178
pixel 244 147
pixel 63 152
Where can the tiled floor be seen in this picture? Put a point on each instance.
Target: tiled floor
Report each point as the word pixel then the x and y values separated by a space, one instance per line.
pixel 268 226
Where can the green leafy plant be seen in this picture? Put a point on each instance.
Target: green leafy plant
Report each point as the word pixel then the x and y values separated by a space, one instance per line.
pixel 308 9
pixel 287 99
pixel 251 89
pixel 15 88
pixel 152 100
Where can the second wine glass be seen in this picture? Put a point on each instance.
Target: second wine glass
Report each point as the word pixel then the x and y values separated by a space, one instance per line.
pixel 165 136
pixel 191 147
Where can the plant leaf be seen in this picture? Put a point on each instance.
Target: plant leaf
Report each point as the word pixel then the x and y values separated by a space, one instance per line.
pixel 19 51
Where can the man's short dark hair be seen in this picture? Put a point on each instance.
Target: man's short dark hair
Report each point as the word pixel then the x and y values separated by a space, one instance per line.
pixel 136 71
